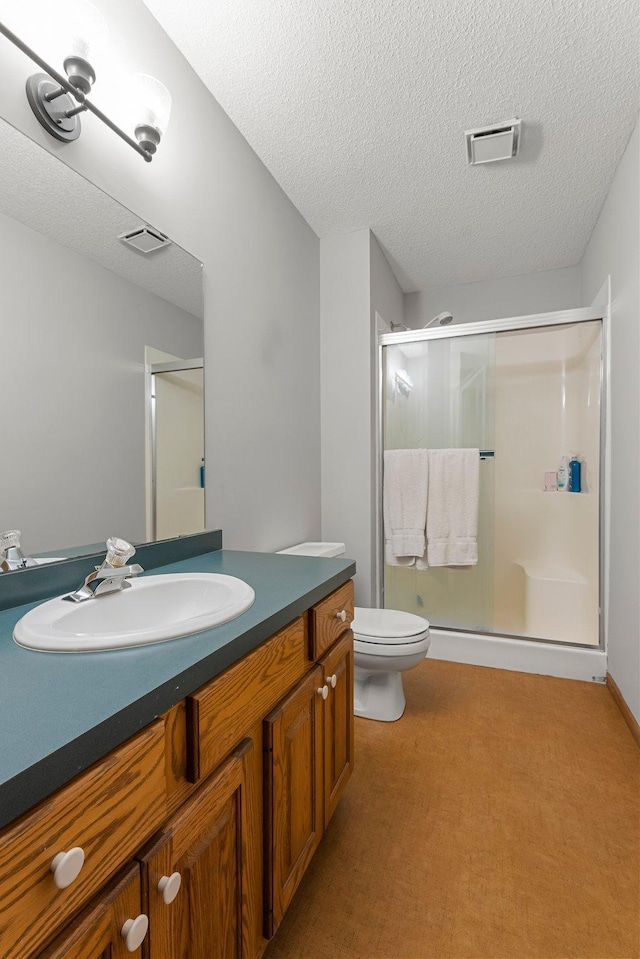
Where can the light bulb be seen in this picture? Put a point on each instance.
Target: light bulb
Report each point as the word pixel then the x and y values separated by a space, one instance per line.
pixel 152 102
pixel 150 108
pixel 87 31
pixel 76 29
pixel 82 40
pixel 66 28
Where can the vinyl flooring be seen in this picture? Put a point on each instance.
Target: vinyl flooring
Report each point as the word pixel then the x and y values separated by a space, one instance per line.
pixel 497 819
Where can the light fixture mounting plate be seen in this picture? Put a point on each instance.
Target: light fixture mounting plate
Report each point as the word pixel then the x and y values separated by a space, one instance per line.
pixel 51 114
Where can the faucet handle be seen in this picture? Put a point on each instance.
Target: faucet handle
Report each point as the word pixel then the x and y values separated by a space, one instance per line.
pixel 9 539
pixel 11 556
pixel 118 551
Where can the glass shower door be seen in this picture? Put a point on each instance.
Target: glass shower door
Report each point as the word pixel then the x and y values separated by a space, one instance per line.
pixel 439 394
pixel 526 398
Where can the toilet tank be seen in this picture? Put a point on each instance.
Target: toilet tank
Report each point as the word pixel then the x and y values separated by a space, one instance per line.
pixel 315 549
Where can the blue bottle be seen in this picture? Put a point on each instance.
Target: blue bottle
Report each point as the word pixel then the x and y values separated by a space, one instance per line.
pixel 574 474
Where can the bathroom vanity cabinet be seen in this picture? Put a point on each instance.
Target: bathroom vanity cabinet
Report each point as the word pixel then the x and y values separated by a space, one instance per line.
pixel 308 743
pixel 196 831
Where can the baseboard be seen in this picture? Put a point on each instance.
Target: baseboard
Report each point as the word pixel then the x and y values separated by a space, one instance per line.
pixel 520 655
pixel 620 702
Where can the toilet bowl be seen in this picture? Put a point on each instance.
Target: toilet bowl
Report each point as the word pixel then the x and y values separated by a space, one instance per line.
pixel 387 642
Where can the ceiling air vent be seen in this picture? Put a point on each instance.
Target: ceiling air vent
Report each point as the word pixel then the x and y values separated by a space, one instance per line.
pixel 145 239
pixel 499 141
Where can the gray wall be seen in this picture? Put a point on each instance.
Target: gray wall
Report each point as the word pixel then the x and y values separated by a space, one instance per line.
pixel 209 192
pixel 72 433
pixel 346 399
pixel 614 250
pixel 356 282
pixel 387 298
pixel 493 299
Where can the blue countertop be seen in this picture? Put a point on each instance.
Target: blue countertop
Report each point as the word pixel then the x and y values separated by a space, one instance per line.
pixel 59 713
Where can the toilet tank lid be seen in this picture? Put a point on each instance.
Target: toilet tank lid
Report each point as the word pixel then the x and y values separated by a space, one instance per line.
pixel 315 549
pixel 387 623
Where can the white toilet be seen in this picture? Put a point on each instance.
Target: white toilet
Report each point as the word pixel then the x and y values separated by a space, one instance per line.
pixel 387 642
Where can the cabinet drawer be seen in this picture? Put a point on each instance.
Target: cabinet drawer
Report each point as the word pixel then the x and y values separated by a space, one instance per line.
pixel 107 811
pixel 97 932
pixel 220 713
pixel 330 618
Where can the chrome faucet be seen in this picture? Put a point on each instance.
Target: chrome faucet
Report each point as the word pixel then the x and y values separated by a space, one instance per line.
pixel 11 556
pixel 113 575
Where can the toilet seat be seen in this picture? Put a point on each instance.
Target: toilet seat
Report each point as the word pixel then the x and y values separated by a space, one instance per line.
pixel 395 651
pixel 388 627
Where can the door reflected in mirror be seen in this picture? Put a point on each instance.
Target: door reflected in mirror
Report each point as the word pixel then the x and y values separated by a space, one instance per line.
pixel 83 316
pixel 176 444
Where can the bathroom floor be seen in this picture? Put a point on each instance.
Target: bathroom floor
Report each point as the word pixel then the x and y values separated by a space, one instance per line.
pixel 499 818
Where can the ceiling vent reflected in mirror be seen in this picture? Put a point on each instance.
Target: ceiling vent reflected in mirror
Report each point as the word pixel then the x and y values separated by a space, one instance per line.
pixel 145 240
pixel 498 141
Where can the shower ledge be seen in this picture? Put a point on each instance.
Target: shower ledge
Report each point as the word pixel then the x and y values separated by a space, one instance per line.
pixel 548 492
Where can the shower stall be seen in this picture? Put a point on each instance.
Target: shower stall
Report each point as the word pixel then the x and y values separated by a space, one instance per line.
pixel 525 392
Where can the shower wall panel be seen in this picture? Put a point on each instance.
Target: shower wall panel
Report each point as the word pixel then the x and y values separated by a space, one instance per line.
pixel 547 404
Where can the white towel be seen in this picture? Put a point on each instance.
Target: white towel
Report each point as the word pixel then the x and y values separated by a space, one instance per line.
pixel 404 505
pixel 452 508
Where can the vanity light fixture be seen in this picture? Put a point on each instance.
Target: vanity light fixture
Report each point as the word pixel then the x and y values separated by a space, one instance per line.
pixel 57 100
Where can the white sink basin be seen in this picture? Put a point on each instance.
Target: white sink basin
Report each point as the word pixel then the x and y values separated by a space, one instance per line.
pixel 152 610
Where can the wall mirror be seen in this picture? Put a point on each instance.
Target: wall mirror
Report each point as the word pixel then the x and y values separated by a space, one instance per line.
pixel 101 371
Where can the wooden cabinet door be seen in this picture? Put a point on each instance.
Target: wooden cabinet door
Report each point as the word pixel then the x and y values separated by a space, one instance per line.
pixel 205 843
pixel 97 932
pixel 337 674
pixel 293 793
pixel 108 811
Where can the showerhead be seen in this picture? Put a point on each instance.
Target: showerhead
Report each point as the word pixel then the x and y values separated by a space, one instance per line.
pixel 442 319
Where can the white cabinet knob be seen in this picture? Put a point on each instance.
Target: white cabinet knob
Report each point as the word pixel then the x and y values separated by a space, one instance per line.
pixel 332 680
pixel 66 866
pixel 342 615
pixel 134 931
pixel 169 886
pixel 323 691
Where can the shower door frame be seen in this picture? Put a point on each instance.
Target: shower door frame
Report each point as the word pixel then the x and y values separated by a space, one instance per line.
pixel 504 325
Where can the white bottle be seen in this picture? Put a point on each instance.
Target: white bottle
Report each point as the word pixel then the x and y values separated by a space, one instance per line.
pixel 563 475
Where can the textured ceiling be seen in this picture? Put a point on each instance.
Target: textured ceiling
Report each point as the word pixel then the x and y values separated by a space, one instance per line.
pixel 358 109
pixel 39 190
